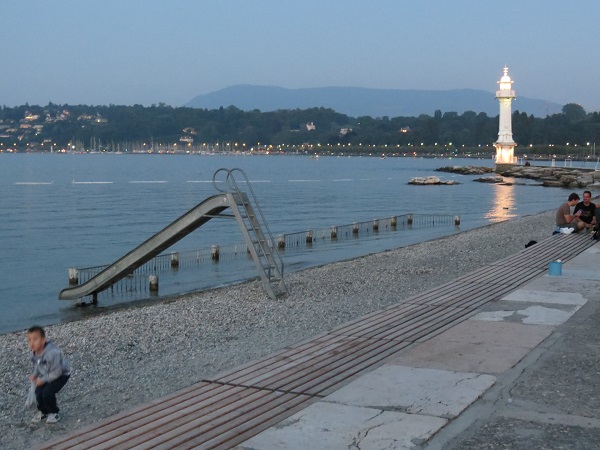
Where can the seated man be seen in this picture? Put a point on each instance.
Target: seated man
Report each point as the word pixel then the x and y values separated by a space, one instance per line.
pixel 587 209
pixel 564 217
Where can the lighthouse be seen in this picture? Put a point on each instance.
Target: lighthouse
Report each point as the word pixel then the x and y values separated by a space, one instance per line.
pixel 505 146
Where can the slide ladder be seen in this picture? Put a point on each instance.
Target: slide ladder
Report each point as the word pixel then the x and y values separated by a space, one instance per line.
pixel 257 235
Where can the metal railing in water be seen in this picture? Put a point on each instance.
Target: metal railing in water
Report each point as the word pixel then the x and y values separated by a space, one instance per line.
pixel 357 229
pixel 138 281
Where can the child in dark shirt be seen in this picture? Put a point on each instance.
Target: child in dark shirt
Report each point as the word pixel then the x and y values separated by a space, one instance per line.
pixel 51 371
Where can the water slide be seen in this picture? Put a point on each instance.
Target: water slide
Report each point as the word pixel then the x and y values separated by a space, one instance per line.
pixel 190 221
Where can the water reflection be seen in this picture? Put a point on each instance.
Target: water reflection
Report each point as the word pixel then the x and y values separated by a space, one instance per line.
pixel 503 206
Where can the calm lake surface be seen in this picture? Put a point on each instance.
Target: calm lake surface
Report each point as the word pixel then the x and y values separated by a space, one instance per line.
pixel 80 210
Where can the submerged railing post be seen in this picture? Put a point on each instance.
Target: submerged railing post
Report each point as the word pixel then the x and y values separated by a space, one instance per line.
pixel 153 283
pixel 215 252
pixel 334 232
pixel 73 276
pixel 174 260
pixel 309 236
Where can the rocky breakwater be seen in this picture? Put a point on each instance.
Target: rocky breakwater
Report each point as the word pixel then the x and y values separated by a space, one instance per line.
pixel 546 176
pixel 465 170
pixel 555 176
pixel 473 170
pixel 431 180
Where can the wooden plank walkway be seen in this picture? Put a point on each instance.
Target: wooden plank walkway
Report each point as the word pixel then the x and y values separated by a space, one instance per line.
pixel 229 408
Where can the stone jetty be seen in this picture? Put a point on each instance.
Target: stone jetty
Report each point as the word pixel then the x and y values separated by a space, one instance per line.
pixel 431 180
pixel 491 179
pixel 546 176
pixel 466 170
pixel 555 176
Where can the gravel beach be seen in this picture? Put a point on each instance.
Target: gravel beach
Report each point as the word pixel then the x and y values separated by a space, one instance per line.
pixel 133 355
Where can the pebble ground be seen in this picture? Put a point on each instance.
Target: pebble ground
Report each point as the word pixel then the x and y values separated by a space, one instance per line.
pixel 133 355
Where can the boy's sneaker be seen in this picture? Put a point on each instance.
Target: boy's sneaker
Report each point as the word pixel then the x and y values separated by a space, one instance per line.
pixel 52 418
pixel 39 417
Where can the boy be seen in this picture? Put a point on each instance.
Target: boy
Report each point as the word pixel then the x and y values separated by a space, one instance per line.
pixel 51 371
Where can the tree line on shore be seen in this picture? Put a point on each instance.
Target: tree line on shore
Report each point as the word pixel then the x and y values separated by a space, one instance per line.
pixel 102 128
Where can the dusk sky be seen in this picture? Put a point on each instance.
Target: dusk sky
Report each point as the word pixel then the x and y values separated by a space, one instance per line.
pixel 149 51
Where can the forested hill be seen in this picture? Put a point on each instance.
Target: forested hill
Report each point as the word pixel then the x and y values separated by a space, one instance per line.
pixel 114 127
pixel 357 102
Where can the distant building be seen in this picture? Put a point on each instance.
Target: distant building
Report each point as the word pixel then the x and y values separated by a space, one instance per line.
pixel 311 126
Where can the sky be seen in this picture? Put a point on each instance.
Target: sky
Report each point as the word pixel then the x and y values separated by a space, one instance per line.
pixel 126 52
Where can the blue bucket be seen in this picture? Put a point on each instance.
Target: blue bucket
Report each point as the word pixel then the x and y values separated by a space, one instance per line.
pixel 555 268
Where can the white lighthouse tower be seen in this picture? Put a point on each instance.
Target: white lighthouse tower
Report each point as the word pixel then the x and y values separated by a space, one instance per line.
pixel 505 146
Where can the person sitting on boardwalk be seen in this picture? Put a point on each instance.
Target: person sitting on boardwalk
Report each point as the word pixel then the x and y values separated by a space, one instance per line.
pixel 566 219
pixel 587 209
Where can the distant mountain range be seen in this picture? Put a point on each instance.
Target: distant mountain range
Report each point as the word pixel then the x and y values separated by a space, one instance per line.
pixel 356 102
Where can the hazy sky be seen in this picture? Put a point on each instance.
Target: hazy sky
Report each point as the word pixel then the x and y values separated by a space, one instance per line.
pixel 150 51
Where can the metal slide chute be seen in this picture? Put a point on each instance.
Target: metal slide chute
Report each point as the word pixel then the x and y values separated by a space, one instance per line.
pixel 190 221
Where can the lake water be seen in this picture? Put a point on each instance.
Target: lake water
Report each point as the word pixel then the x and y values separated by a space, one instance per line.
pixel 80 210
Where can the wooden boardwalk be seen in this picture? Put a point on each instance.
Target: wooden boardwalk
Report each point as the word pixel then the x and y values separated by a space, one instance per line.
pixel 229 408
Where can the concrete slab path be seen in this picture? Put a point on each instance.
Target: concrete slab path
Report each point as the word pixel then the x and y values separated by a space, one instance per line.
pixel 523 373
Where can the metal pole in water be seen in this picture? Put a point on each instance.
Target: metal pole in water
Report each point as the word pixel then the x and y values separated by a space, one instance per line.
pixel 73 276
pixel 215 252
pixel 309 236
pixel 175 260
pixel 153 283
pixel 281 241
pixel 334 232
